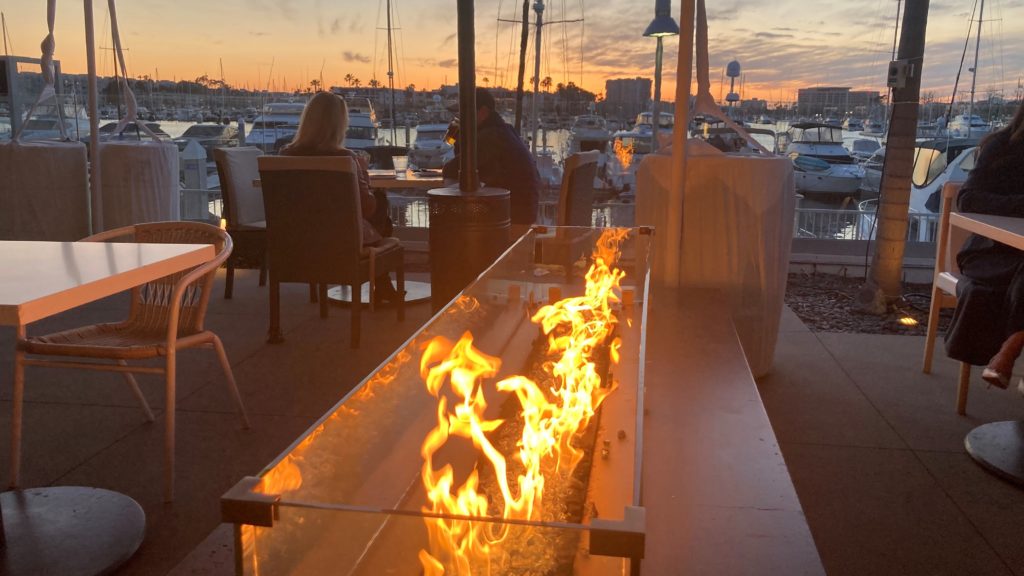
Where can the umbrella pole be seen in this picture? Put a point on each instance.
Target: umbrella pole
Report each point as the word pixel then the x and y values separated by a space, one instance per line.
pixel 684 71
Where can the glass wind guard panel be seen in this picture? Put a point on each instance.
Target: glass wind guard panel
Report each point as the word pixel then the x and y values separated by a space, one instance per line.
pixel 351 492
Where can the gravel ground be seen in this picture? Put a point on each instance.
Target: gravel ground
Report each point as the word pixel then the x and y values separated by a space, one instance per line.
pixel 827 303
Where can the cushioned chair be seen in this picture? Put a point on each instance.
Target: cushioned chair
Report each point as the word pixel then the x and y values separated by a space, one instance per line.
pixel 314 233
pixel 944 288
pixel 165 316
pixel 576 197
pixel 243 209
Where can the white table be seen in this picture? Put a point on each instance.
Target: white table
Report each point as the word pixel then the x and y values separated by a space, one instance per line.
pixel 72 530
pixel 996 446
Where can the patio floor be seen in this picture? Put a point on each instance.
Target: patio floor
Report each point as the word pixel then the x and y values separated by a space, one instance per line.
pixel 874 447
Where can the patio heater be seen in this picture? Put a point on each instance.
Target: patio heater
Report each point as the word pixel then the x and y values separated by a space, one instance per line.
pixel 469 225
pixel 432 465
pixel 662 25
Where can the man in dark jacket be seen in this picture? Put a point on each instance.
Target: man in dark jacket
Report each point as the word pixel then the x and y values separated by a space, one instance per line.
pixel 502 160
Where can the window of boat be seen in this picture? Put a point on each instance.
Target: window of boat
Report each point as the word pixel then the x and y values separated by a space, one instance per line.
pixel 637 145
pixel 37 124
pixel 429 134
pixel 359 133
pixel 269 124
pixel 198 131
pixel 968 163
pixel 928 164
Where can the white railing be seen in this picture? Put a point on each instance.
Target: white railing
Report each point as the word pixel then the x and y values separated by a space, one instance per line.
pixel 833 224
pixel 412 211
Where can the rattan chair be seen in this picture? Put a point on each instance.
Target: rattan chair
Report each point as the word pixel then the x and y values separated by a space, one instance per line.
pixel 944 282
pixel 243 209
pixel 314 234
pixel 165 316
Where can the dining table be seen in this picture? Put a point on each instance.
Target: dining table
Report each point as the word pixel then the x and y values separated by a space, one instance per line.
pixel 996 446
pixel 71 530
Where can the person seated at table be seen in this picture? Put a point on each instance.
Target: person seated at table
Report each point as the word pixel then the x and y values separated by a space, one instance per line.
pixel 322 133
pixel 988 324
pixel 503 160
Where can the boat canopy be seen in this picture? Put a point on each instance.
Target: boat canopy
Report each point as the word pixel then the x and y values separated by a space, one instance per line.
pixel 816 133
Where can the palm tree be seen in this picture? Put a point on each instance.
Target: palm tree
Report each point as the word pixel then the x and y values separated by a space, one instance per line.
pixel 350 79
pixel 356 82
pixel 374 83
pixel 546 83
pixel 883 283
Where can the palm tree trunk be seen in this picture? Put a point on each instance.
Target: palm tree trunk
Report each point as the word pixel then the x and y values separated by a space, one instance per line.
pixel 883 282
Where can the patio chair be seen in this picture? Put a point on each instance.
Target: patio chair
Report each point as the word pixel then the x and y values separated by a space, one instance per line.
pixel 314 234
pixel 575 208
pixel 576 197
pixel 243 209
pixel 944 288
pixel 166 315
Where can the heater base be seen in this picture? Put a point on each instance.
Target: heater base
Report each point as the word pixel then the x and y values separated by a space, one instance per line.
pixel 415 292
pixel 68 530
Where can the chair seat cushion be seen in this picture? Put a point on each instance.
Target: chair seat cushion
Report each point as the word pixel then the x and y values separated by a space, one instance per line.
pixel 121 341
pixel 382 246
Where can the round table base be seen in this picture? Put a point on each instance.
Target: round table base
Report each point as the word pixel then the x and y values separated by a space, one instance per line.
pixel 999 448
pixel 68 530
pixel 414 292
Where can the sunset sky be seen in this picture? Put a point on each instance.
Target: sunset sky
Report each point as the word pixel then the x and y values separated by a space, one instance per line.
pixel 782 45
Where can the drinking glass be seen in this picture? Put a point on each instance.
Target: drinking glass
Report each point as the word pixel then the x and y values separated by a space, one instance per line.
pixel 401 164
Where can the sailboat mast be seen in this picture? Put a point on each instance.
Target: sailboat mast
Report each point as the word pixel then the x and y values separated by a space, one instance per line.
pixel 524 40
pixel 538 7
pixel 391 79
pixel 3 20
pixel 974 71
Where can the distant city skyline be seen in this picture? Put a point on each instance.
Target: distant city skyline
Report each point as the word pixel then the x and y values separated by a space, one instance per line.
pixel 283 44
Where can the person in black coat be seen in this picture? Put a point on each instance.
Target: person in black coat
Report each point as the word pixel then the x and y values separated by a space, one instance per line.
pixel 988 324
pixel 503 160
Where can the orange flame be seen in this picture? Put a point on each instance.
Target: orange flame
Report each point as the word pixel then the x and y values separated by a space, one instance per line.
pixel 553 416
pixel 623 153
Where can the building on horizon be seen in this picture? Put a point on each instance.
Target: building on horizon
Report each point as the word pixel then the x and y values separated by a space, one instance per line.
pixel 836 101
pixel 624 98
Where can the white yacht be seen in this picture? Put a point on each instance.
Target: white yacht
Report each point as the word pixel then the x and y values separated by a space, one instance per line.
pixel 820 162
pixel 853 124
pixel 645 122
pixel 588 132
pixel 935 163
pixel 46 122
pixel 429 149
pixel 362 124
pixel 279 121
pixel 964 126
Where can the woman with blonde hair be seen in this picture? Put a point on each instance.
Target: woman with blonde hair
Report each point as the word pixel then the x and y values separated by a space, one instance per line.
pixel 322 133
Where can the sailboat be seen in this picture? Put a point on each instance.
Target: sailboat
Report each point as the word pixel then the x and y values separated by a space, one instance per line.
pixel 970 125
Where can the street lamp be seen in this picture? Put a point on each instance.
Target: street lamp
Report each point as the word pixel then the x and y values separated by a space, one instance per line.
pixel 662 25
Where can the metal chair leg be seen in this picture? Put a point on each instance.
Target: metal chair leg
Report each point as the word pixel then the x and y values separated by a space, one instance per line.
pixel 170 406
pixel 962 386
pixel 357 307
pixel 274 335
pixel 229 375
pixel 229 280
pixel 134 385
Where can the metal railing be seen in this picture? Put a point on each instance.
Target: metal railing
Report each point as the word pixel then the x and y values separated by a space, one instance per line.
pixel 833 224
pixel 412 211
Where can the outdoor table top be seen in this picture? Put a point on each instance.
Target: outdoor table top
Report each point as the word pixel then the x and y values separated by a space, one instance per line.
pixel 45 278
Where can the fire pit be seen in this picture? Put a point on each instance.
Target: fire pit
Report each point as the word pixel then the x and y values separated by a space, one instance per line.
pixel 503 438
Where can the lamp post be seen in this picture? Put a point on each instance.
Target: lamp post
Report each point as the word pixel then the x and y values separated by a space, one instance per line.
pixel 662 25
